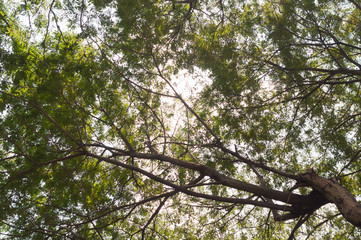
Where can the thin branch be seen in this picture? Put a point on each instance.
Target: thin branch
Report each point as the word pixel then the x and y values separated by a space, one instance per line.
pixel 330 71
pixel 37 106
pixel 301 221
pixel 153 216
pixel 181 99
pixel 22 173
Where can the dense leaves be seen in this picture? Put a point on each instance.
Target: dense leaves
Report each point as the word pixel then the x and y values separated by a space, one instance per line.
pixel 180 119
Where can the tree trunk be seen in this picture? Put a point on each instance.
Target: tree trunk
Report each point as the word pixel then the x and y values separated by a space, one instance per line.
pixel 335 193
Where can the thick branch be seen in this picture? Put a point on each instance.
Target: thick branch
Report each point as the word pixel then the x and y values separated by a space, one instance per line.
pixel 335 193
pixel 204 170
pixel 227 181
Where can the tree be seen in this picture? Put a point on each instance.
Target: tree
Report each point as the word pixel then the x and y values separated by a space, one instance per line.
pixel 99 142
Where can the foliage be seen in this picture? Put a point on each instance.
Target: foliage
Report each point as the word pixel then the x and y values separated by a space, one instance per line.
pixel 98 140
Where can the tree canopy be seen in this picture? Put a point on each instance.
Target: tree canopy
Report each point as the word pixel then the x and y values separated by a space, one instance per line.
pixel 171 119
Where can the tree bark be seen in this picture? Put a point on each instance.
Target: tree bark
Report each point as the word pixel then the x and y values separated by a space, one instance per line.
pixel 335 193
